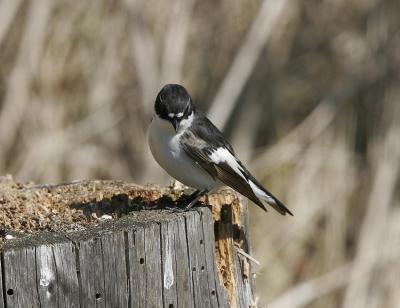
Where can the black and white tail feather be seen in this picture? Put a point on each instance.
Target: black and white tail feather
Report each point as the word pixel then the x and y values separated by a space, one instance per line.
pixel 264 195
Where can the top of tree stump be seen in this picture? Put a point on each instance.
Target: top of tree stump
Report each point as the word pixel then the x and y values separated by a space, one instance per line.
pixel 34 214
pixel 29 208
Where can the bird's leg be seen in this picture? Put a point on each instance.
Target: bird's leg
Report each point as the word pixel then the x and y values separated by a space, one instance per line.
pixel 194 197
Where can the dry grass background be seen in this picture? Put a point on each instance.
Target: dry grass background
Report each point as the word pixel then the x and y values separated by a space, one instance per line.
pixel 307 91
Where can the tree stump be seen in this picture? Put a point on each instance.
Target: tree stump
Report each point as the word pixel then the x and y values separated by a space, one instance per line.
pixel 111 244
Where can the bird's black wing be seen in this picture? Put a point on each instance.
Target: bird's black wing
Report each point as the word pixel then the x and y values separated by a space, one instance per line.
pixel 207 146
pixel 205 130
pixel 201 153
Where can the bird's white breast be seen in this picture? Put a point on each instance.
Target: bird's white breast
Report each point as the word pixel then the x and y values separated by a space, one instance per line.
pixel 165 146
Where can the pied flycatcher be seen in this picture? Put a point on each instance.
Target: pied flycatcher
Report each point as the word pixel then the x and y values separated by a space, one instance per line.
pixel 193 151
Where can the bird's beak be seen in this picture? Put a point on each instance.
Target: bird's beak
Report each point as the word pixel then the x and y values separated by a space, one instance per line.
pixel 175 123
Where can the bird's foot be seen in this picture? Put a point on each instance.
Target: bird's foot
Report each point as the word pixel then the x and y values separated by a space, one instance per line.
pixel 178 209
pixel 190 201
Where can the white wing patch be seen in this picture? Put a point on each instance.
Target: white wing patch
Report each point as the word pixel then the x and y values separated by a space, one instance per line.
pixel 223 155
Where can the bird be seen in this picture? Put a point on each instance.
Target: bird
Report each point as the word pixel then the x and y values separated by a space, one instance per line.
pixel 191 149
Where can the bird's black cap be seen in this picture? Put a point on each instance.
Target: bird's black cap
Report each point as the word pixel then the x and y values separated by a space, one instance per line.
pixel 173 101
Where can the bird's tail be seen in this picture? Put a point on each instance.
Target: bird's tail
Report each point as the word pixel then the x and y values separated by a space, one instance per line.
pixel 264 195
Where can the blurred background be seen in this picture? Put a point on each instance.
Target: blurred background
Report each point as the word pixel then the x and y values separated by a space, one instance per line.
pixel 307 91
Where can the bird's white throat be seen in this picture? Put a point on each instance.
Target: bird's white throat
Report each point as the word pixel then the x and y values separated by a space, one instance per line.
pixel 186 123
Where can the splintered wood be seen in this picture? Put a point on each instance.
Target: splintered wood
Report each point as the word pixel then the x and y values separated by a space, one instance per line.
pixel 140 255
pixel 230 226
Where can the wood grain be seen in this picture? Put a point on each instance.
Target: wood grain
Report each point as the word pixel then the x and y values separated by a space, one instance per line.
pixel 146 259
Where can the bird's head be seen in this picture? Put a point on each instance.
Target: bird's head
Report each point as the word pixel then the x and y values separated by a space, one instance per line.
pixel 174 104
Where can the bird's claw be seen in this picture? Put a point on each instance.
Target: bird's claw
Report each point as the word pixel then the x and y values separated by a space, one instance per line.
pixel 178 209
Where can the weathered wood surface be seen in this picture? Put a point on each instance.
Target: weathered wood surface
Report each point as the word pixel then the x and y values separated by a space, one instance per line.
pixel 140 258
pixel 151 259
pixel 230 218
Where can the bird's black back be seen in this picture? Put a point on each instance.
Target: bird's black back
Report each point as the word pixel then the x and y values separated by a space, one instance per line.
pixel 206 130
